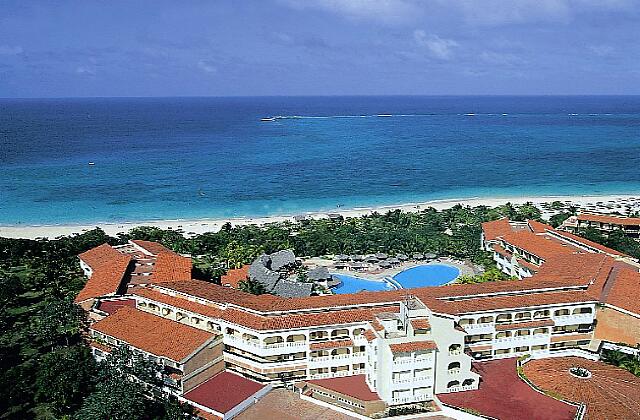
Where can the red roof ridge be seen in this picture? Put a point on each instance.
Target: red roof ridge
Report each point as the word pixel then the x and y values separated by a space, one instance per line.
pixel 153 334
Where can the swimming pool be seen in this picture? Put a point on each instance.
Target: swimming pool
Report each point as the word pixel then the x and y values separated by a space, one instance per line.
pixel 351 284
pixel 426 275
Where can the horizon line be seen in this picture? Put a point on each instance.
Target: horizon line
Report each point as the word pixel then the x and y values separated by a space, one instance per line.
pixel 326 96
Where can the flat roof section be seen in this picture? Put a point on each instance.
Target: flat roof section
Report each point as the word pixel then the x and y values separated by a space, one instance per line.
pixel 223 392
pixel 352 386
pixel 503 395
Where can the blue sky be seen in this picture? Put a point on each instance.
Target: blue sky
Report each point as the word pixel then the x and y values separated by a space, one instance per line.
pixel 318 47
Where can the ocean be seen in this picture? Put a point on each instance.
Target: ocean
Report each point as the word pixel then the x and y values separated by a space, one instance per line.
pixel 186 158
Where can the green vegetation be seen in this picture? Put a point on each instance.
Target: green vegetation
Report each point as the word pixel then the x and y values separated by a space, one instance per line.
pixel 622 360
pixel 455 232
pixel 615 239
pixel 46 368
pixel 492 274
pixel 252 286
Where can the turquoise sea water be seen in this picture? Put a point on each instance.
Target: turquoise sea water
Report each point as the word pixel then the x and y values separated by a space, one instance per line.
pixel 213 157
pixel 427 275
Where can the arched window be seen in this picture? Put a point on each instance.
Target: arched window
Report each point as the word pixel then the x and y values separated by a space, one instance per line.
pixel 455 349
pixel 453 384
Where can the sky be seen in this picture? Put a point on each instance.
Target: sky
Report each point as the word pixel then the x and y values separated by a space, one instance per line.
pixel 318 47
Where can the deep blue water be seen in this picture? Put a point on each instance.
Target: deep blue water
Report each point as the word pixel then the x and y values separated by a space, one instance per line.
pixel 212 157
pixel 351 284
pixel 427 275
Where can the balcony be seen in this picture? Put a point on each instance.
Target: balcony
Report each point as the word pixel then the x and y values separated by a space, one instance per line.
pixel 333 374
pixel 479 328
pixel 573 319
pixel 416 380
pixel 410 399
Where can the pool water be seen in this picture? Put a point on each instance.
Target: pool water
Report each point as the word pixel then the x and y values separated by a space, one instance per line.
pixel 350 284
pixel 426 275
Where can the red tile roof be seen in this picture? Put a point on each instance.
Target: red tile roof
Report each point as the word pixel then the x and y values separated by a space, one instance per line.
pixel 178 302
pixel 109 267
pixel 624 290
pixel 110 306
pixel 224 391
pixel 589 243
pixel 153 334
pixel 290 321
pixel 496 228
pixel 331 344
pixel 235 276
pixel 610 392
pixel 413 346
pixel 609 218
pixel 538 227
pixel 421 324
pixel 525 325
pixel 154 248
pixel 370 335
pixel 97 345
pixel 353 386
pixel 171 267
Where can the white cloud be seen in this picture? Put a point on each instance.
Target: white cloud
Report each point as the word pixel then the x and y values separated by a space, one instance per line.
pixel 384 11
pixel 207 66
pixel 86 70
pixel 602 50
pixel 505 59
pixel 440 48
pixel 499 12
pixel 9 50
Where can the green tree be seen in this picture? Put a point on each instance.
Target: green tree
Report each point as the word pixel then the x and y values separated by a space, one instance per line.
pixel 63 378
pixel 558 219
pixel 252 286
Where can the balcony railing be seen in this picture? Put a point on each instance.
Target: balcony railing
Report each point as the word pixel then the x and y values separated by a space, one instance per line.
pixel 410 399
pixel 261 345
pixel 332 374
pixel 461 388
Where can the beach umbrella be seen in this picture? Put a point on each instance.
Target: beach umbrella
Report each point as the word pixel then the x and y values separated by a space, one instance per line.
pixel 384 264
pixel 371 259
pixel 342 257
pixel 418 256
pixel 430 256
pixel 402 257
pixel 381 256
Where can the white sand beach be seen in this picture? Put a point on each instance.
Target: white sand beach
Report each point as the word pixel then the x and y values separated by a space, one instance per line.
pixel 599 203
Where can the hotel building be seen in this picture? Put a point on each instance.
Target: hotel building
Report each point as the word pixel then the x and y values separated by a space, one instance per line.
pixel 604 223
pixel 369 351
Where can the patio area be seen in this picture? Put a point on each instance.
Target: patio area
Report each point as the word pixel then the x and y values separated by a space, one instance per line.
pixel 608 391
pixel 503 395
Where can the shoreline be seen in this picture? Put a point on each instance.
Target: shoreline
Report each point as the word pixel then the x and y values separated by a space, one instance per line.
pixel 611 202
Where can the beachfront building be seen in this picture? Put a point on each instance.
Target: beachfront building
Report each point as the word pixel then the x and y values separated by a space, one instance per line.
pixel 604 223
pixel 372 351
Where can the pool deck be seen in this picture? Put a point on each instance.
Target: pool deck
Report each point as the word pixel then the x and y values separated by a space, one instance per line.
pixel 379 275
